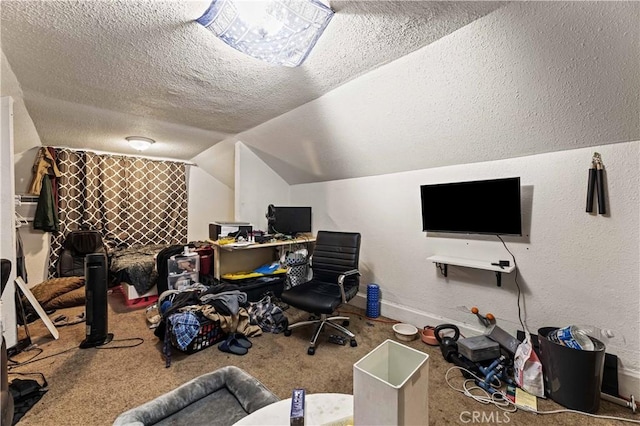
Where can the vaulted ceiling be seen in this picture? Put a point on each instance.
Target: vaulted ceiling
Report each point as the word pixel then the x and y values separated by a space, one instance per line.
pixel 86 74
pixel 93 72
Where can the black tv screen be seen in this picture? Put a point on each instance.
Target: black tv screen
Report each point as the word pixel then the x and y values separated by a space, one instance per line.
pixel 289 220
pixel 475 207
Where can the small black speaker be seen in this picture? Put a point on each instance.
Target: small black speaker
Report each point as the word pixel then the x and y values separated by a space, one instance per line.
pixel 271 218
pixel 95 282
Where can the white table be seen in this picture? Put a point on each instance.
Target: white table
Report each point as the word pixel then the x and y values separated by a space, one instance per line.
pixel 320 409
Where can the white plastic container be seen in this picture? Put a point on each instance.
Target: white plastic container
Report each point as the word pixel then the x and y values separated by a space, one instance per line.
pixel 390 386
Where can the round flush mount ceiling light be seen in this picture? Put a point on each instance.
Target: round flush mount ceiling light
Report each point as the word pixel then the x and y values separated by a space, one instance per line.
pixel 140 143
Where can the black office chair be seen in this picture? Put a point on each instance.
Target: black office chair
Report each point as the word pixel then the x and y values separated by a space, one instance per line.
pixel 76 246
pixel 335 281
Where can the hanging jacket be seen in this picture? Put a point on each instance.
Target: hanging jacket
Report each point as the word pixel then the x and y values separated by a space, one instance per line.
pixel 46 217
pixel 44 164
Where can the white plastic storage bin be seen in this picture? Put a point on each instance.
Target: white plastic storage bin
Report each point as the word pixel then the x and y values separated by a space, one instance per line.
pixel 182 281
pixel 390 386
pixel 184 271
pixel 180 264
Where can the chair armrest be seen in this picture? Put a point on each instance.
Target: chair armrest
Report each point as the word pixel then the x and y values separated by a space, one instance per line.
pixel 341 278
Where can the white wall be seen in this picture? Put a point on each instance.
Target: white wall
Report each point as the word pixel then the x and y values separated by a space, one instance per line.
pixel 7 220
pixel 574 267
pixel 25 134
pixel 209 200
pixel 35 245
pixel 23 169
pixel 256 187
pixel 219 161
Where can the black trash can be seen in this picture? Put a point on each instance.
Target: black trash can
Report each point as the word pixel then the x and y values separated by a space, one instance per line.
pixel 572 377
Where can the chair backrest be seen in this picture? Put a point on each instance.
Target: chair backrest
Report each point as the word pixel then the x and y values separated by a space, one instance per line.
pixel 335 253
pixel 84 242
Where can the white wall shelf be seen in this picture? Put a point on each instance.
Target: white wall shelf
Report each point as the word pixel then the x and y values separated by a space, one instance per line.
pixel 442 263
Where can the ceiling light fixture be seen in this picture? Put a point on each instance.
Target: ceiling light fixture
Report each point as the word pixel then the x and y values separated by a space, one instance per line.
pixel 280 32
pixel 140 143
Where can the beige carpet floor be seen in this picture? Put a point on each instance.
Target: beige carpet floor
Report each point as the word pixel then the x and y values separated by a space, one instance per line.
pixel 92 386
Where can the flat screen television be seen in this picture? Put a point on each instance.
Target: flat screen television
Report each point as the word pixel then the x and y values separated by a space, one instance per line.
pixel 474 207
pixel 288 220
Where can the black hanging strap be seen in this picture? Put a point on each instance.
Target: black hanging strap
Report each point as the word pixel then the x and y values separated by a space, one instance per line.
pixel 595 185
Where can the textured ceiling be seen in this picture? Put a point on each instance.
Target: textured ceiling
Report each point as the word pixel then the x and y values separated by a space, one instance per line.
pixel 92 72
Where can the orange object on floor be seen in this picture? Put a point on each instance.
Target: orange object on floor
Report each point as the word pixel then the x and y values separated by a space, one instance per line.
pixel 428 336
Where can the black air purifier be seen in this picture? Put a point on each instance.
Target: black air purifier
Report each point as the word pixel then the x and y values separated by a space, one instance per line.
pixel 95 281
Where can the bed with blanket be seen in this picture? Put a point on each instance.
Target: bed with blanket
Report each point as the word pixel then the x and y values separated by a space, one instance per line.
pixel 135 266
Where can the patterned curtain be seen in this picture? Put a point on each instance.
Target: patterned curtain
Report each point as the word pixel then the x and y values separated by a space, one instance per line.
pixel 130 200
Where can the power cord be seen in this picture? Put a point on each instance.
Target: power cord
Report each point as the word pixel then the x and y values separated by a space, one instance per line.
pixel 500 400
pixel 30 348
pixel 515 264
pixel 486 398
pixel 16 364
pixel 139 339
pixel 33 359
pixel 566 410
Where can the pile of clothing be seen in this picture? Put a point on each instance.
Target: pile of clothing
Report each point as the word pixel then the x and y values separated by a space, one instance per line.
pixel 182 313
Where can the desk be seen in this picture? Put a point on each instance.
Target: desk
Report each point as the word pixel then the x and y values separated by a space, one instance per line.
pixel 228 258
pixel 320 409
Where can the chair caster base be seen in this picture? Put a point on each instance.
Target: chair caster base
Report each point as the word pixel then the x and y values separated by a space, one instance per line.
pixel 345 323
pixel 287 333
pixel 311 351
pixel 353 343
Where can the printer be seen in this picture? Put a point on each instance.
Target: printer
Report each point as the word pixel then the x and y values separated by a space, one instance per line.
pixel 221 229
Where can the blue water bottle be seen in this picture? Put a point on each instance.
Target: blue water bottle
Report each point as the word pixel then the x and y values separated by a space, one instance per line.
pixel 373 301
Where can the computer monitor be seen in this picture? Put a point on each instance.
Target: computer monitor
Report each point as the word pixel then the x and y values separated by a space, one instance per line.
pixel 288 220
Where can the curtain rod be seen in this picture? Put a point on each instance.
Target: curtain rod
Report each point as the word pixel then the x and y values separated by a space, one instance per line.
pixel 112 154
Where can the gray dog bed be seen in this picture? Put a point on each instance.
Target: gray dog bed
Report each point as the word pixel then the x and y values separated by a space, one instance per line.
pixel 221 397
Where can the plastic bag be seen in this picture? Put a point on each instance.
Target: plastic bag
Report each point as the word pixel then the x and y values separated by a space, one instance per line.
pixel 528 368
